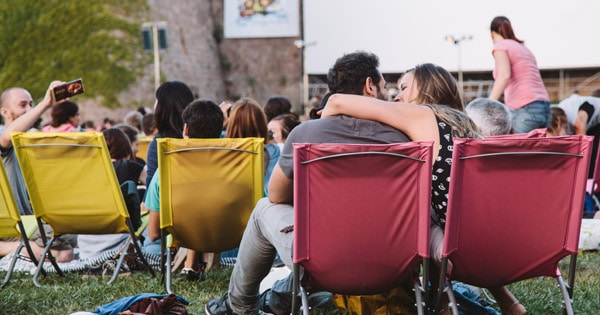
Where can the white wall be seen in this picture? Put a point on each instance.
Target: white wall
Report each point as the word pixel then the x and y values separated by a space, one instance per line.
pixel 561 34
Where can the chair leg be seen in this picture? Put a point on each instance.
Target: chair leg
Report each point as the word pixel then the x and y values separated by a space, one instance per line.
pixel 137 249
pixel 304 297
pixel 445 286
pixel 168 271
pixel 119 263
pixel 12 264
pixel 419 298
pixel 425 282
pixel 596 201
pixel 40 264
pixel 295 285
pixel 568 307
pixel 453 304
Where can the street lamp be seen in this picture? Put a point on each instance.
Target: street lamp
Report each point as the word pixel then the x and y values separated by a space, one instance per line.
pixel 456 41
pixel 301 44
pixel 154 35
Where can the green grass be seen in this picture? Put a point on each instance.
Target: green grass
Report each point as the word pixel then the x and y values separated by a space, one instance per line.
pixel 71 294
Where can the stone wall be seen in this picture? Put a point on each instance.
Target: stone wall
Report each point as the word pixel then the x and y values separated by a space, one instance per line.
pixel 214 67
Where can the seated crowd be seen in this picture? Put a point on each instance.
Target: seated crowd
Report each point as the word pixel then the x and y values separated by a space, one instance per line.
pixel 429 107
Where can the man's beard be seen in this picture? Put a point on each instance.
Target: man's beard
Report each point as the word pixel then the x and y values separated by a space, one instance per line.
pixel 380 95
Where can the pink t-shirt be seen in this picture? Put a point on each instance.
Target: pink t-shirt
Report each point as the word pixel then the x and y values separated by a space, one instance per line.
pixel 525 85
pixel 62 128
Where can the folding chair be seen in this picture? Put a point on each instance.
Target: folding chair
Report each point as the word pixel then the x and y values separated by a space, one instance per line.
pixel 143 144
pixel 208 189
pixel 593 184
pixel 514 211
pixel 361 218
pixel 14 225
pixel 73 187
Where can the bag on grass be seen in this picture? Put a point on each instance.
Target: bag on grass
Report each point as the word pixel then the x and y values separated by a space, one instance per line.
pixel 145 303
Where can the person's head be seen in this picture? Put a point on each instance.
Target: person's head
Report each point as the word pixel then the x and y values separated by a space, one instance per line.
pixel 491 117
pixel 118 144
pixel 148 125
pixel 202 119
pixel 357 73
pixel 430 84
pixel 14 102
pixel 63 113
pixel 88 125
pixel 132 135
pixel 559 125
pixel 276 106
pixel 501 26
pixel 247 119
pixel 171 99
pixel 596 93
pixel 281 125
pixel 134 119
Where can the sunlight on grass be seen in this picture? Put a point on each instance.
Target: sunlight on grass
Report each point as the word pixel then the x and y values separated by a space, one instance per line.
pixel 71 294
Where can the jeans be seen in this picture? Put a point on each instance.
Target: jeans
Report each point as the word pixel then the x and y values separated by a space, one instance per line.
pixel 531 116
pixel 262 240
pixel 150 247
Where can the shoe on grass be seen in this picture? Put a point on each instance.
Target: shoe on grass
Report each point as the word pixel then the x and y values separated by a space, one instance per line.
pixel 192 275
pixel 220 306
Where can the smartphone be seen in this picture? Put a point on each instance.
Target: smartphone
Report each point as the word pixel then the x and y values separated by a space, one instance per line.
pixel 68 89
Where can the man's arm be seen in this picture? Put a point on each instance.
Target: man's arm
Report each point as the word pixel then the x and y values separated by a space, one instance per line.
pixel 281 188
pixel 26 121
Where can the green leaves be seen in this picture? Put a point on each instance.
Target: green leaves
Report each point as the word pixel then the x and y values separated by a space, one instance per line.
pixel 96 40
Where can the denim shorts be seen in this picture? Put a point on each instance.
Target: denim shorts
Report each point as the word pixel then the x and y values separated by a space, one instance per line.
pixel 531 116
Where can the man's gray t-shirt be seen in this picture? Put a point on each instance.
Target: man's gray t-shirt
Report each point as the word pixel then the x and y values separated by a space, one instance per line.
pixel 337 129
pixel 15 178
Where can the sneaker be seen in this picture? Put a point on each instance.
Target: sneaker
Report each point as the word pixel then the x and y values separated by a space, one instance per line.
pixel 218 306
pixel 319 302
pixel 192 275
pixel 106 269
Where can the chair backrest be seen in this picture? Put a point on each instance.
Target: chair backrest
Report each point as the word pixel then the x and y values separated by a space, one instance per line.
pixel 515 207
pixel 361 213
pixel 208 189
pixel 71 182
pixel 595 182
pixel 9 213
pixel 143 145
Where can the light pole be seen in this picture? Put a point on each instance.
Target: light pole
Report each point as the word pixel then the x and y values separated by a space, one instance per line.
pixel 300 44
pixel 158 41
pixel 456 41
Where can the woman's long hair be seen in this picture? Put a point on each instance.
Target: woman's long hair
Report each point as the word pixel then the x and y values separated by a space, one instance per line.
pixel 171 99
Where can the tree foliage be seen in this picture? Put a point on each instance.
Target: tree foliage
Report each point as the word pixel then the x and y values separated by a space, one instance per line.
pixel 97 40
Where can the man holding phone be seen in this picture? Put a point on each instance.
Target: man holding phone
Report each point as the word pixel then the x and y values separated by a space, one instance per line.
pixel 17 108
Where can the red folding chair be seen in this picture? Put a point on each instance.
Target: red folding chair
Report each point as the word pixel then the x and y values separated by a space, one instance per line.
pixel 593 184
pixel 514 211
pixel 362 216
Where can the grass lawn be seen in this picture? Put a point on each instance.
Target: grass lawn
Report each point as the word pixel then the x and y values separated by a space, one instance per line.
pixel 71 294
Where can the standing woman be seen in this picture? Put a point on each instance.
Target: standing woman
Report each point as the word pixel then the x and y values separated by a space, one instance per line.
pixel 516 74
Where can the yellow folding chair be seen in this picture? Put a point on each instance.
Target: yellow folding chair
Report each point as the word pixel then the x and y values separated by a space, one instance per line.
pixel 73 187
pixel 143 144
pixel 208 188
pixel 14 225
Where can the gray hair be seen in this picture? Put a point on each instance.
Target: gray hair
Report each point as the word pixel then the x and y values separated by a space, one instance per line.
pixel 491 117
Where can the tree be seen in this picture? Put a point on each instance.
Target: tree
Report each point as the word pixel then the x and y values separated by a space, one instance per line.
pixel 97 40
